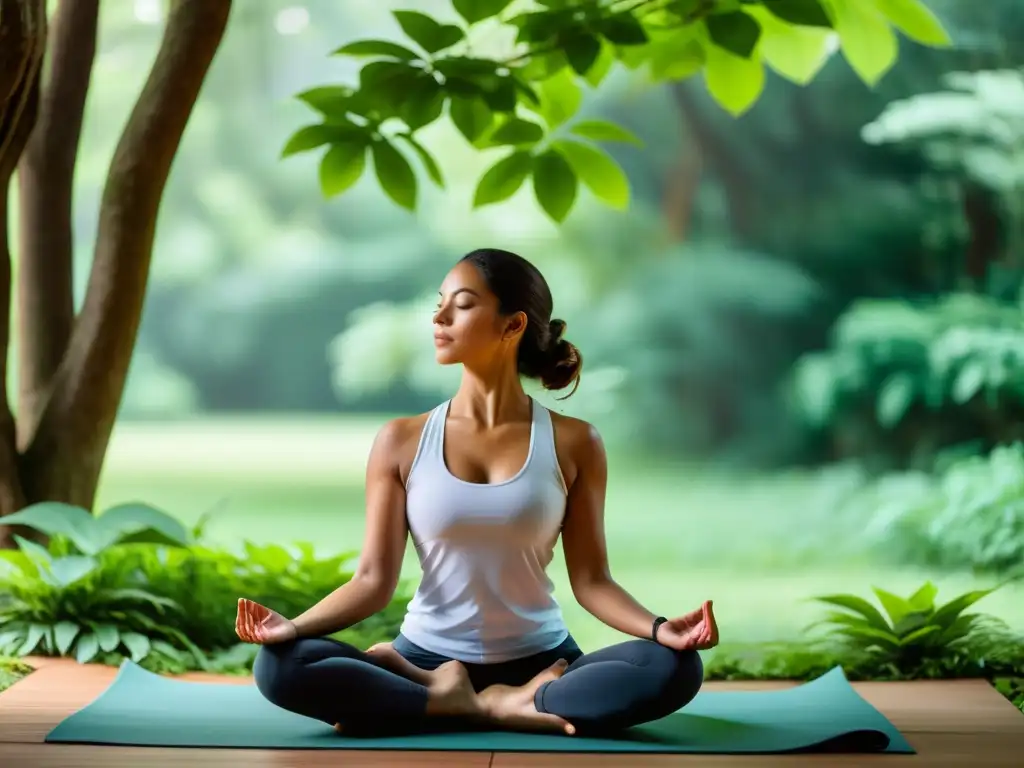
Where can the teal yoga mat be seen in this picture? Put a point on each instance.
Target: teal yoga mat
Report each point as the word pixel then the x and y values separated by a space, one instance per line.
pixel 143 709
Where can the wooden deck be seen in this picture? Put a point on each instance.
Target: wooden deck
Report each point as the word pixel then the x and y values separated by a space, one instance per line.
pixel 951 723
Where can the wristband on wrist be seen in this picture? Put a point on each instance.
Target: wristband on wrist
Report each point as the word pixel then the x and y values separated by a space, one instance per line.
pixel 654 628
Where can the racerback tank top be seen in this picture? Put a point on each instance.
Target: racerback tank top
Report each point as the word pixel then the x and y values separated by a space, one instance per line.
pixel 484 596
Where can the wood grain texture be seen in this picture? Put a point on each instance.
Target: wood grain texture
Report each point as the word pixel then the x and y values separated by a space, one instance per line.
pixel 952 724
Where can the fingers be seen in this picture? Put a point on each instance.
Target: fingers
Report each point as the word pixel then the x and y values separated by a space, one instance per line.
pixel 245 626
pixel 557 725
pixel 553 672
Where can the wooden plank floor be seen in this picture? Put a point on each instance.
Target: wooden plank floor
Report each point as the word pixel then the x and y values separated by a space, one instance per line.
pixel 952 724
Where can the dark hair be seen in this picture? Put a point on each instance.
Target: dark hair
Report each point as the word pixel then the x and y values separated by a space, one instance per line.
pixel 520 287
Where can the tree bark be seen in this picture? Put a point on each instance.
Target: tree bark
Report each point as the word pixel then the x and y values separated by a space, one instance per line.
pixel 22 44
pixel 46 179
pixel 64 456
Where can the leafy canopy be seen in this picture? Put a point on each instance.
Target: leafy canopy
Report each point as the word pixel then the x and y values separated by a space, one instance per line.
pixel 526 102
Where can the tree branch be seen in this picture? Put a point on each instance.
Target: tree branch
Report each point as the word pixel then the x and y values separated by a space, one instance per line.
pixel 46 178
pixel 65 455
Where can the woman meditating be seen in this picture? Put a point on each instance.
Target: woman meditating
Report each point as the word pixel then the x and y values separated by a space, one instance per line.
pixel 485 483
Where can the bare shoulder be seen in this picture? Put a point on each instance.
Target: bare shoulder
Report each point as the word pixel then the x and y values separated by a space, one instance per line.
pixel 579 446
pixel 396 443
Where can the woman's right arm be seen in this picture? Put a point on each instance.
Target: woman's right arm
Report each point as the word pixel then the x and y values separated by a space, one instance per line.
pixel 380 562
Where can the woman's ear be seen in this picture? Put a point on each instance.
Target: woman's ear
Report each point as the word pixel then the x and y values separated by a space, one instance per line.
pixel 515 326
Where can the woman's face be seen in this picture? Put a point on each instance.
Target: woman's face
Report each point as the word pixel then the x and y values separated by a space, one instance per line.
pixel 468 328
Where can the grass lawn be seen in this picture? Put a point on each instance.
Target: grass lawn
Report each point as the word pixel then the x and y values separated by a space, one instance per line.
pixel 676 534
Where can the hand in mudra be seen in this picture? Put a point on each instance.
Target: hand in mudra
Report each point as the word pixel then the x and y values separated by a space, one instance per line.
pixel 258 624
pixel 694 631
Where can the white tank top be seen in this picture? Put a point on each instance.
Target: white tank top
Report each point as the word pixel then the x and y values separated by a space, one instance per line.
pixel 484 548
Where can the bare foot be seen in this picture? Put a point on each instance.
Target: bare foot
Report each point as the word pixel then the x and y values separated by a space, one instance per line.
pixel 450 693
pixel 513 708
pixel 392 660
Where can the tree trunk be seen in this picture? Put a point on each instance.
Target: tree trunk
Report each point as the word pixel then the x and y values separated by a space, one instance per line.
pixel 22 44
pixel 46 177
pixel 73 408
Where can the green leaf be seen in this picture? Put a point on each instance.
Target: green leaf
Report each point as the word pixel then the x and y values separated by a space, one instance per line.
pixel 138 645
pixel 33 551
pixel 924 598
pixel 601 66
pixel 139 523
pixel 622 29
pixel 377 48
pixel 423 103
pixel 602 130
pixel 395 175
pixel 869 635
pixel 560 98
pixel 795 52
pixel 35 634
pixel 859 606
pixel 517 131
pixel 86 648
pixel 554 184
pixel 894 399
pixel 168 650
pixel 736 32
pixel 597 170
pixel 314 136
pixel 582 51
pixel 385 86
pixel 332 101
pixel 68 570
pixel 678 57
pixel 341 167
pixel 501 95
pixel 894 605
pixel 107 636
pixel 427 33
pixel 867 41
pixel 734 82
pixel 131 594
pixel 429 163
pixel 914 19
pixel 64 634
pixel 471 116
pixel 918 635
pixel 57 519
pixel 947 614
pixel 503 179
pixel 969 382
pixel 808 13
pixel 474 11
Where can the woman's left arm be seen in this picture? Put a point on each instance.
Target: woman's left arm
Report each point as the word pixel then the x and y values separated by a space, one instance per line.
pixel 583 539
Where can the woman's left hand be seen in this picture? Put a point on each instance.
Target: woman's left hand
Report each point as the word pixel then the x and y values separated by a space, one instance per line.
pixel 695 631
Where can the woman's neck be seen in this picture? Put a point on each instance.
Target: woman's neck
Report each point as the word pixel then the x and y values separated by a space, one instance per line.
pixel 491 398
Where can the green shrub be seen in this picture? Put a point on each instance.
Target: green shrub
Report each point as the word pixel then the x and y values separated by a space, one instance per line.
pixel 143 594
pixel 904 381
pixel 63 601
pixel 909 638
pixel 969 516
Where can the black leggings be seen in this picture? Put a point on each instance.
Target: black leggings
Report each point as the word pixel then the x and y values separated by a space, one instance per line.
pixel 616 687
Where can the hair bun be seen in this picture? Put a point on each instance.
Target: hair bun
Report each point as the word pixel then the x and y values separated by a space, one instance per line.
pixel 564 362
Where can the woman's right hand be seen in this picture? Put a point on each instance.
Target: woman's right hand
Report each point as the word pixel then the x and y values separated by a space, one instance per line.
pixel 258 624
